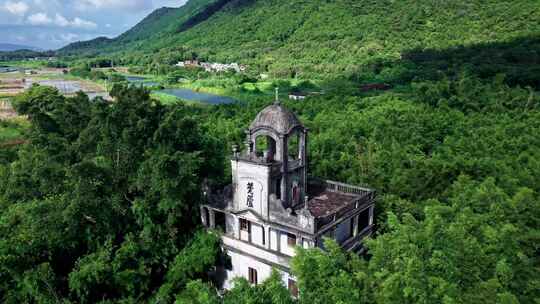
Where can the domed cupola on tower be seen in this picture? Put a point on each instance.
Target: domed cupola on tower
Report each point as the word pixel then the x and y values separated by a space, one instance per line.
pixel 277 138
pixel 276 117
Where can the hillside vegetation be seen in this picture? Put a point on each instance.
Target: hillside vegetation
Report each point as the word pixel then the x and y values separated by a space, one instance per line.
pixel 321 38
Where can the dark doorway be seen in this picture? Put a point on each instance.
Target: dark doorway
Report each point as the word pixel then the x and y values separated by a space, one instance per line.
pixel 221 222
pixel 363 220
pixel 206 215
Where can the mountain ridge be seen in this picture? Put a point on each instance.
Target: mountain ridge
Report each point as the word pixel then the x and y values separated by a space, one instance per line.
pixel 295 38
pixel 10 47
pixel 160 21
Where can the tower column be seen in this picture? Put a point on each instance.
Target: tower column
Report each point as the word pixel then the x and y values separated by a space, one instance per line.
pixel 303 149
pixel 284 170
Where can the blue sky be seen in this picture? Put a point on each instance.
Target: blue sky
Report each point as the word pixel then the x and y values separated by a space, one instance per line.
pixel 51 24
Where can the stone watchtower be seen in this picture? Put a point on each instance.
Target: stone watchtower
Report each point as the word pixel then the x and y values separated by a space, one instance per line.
pixel 271 206
pixel 285 143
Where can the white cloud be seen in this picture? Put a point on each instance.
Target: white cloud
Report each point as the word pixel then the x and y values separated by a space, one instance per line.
pixel 44 4
pixel 77 22
pixel 16 8
pixel 81 23
pixel 69 37
pixel 39 19
pixel 61 21
pixel 132 5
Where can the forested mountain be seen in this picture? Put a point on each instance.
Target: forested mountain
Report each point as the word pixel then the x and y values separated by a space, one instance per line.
pixel 161 22
pixel 306 38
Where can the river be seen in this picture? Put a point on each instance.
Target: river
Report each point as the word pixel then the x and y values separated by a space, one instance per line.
pixel 191 95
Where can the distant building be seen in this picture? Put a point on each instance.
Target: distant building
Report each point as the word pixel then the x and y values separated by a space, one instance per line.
pixel 272 206
pixel 191 63
pixel 222 67
pixel 297 96
pixel 212 66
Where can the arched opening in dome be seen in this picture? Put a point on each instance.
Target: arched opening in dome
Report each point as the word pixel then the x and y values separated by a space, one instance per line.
pixel 293 147
pixel 265 146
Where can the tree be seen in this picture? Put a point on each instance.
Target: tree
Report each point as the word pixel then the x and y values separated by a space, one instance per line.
pixel 102 202
pixel 331 276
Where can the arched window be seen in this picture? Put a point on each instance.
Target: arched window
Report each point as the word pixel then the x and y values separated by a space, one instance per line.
pixel 294 146
pixel 265 145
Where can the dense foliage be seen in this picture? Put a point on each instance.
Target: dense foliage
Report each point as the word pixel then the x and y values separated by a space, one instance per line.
pixel 457 163
pixel 101 204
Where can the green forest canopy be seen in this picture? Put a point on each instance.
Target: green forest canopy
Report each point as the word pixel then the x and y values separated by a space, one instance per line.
pixel 101 205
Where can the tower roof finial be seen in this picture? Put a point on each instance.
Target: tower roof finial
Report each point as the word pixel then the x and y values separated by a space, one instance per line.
pixel 277 96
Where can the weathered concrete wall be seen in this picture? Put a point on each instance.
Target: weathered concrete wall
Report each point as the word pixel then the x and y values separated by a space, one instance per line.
pixel 251 183
pixel 241 265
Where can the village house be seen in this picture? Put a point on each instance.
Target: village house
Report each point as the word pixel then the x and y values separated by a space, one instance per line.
pixel 213 66
pixel 297 96
pixel 273 205
pixel 189 64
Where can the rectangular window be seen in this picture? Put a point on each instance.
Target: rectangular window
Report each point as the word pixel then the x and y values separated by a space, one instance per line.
pixel 293 288
pixel 291 239
pixel 263 236
pixel 252 276
pixel 244 225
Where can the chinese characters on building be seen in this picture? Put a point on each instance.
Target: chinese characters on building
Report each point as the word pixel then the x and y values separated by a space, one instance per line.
pixel 250 195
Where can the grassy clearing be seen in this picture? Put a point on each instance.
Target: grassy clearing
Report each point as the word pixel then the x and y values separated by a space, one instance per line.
pixel 168 99
pixel 13 129
pixel 165 98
